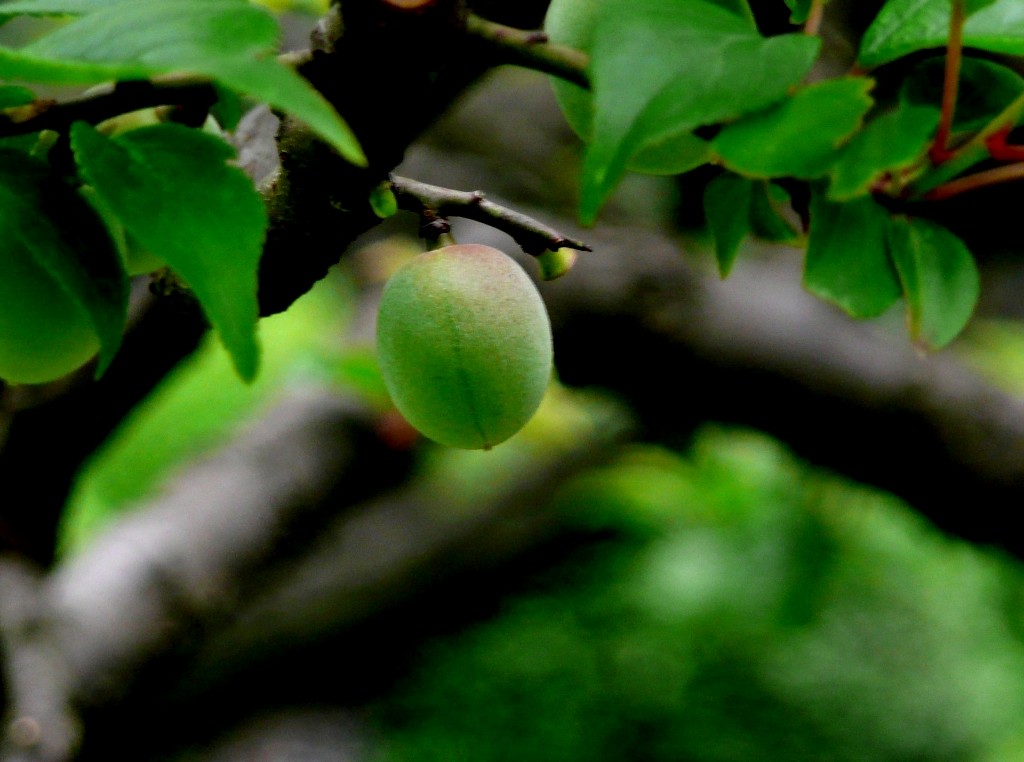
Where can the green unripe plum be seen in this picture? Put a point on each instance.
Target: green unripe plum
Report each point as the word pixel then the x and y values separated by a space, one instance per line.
pixel 44 332
pixel 464 344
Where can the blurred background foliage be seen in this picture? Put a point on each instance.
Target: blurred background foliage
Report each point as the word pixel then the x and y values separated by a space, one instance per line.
pixel 722 602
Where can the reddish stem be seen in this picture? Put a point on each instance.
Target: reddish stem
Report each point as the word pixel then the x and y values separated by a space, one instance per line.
pixel 939 152
pixel 1000 150
pixel 813 24
pixel 1004 174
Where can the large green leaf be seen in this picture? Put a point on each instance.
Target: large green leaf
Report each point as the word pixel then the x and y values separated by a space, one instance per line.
pixel 175 194
pixel 939 276
pixel 46 222
pixel 985 89
pixel 799 136
pixel 664 67
pixel 847 257
pixel 890 143
pixel 53 7
pixel 230 41
pixel 727 204
pixel 906 26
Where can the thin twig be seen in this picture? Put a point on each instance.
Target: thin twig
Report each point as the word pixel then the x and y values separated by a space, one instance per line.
pixel 124 98
pixel 1004 174
pixel 531 49
pixel 533 236
pixel 939 151
pixel 814 16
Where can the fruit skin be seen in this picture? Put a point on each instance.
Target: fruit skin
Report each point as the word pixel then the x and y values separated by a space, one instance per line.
pixel 464 345
pixel 44 332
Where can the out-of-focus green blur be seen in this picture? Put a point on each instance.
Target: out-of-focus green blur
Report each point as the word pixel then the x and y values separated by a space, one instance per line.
pixel 726 603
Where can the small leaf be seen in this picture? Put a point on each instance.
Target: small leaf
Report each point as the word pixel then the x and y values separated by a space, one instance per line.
pixel 847 257
pixel 65 237
pixel 175 194
pixel 766 220
pixel 671 155
pixel 554 263
pixel 906 26
pixel 799 136
pixel 890 143
pixel 231 41
pixel 665 67
pixel 799 10
pixel 727 201
pixel 383 201
pixel 12 95
pixel 939 276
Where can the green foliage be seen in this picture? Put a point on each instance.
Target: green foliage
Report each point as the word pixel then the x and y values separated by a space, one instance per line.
pixel 62 285
pixel 847 256
pixel 172 190
pixel 230 41
pixel 739 607
pixel 985 88
pixel 799 136
pixel 662 68
pixel 727 203
pixel 939 277
pixel 200 405
pixel 891 143
pixel 677 85
pixel 907 26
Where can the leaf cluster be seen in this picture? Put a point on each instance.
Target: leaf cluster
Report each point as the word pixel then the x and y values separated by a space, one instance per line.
pixel 688 83
pixel 164 188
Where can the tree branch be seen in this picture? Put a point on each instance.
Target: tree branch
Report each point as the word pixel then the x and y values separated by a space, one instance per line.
pixel 532 236
pixel 40 724
pixel 531 50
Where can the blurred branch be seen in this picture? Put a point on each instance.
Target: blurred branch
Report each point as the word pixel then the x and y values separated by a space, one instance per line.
pixel 190 555
pixel 757 350
pixel 39 723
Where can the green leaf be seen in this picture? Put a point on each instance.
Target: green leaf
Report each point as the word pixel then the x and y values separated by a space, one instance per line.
pixel 985 89
pixel 12 95
pixel 383 201
pixel 766 220
pixel 939 276
pixel 799 136
pixel 175 194
pixel 847 257
pixel 740 7
pixel 890 143
pixel 671 155
pixel 665 67
pixel 230 41
pixel 906 26
pixel 43 217
pixel 727 201
pixel 799 10
pixel 53 7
